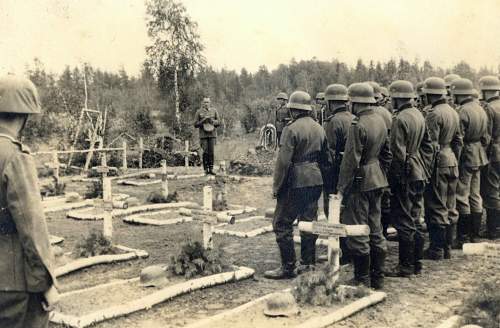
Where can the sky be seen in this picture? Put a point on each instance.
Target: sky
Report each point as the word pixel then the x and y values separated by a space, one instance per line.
pixel 111 34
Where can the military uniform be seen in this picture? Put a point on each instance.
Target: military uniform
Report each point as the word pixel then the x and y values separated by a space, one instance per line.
pixel 362 180
pixel 25 257
pixel 282 119
pixel 208 135
pixel 440 196
pixel 474 126
pixel 490 176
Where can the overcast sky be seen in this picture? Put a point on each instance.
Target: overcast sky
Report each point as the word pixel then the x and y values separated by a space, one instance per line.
pixel 110 34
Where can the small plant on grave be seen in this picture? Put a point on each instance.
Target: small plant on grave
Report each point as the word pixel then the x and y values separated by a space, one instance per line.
pixel 320 287
pixel 482 308
pixel 219 203
pixel 94 190
pixel 94 244
pixel 193 260
pixel 113 172
pixel 157 197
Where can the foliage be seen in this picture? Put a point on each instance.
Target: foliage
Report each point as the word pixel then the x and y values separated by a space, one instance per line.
pixel 482 308
pixel 193 259
pixel 94 244
pixel 94 190
pixel 54 188
pixel 157 197
pixel 321 288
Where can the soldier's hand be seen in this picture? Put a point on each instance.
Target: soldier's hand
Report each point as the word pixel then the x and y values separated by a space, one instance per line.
pixel 51 298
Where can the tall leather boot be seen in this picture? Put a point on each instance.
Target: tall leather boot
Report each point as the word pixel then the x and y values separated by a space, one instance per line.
pixel 450 234
pixel 418 253
pixel 377 262
pixel 211 160
pixel 346 257
pixel 476 220
pixel 287 268
pixel 492 223
pixel 205 162
pixel 462 231
pixel 361 270
pixel 405 267
pixel 307 252
pixel 437 235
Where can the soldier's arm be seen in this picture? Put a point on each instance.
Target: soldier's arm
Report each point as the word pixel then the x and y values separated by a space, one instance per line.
pixel 486 139
pixel 398 146
pixel 198 120
pixel 25 206
pixel 385 156
pixel 284 161
pixel 216 121
pixel 352 157
pixel 457 142
pixel 433 128
pixel 427 152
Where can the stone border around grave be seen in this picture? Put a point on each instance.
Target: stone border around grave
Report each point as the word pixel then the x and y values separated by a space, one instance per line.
pixel 143 220
pixel 74 205
pixel 248 234
pixel 147 182
pixel 81 215
pixel 452 322
pixel 151 300
pixel 317 322
pixel 101 259
pixel 55 240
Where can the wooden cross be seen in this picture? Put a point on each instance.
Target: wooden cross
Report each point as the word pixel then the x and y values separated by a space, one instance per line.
pixel 164 180
pixel 333 230
pixel 207 227
pixel 106 205
pixel 186 153
pixel 54 165
pixel 489 251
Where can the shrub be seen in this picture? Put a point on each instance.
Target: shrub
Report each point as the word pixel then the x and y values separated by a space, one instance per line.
pixel 94 244
pixel 193 259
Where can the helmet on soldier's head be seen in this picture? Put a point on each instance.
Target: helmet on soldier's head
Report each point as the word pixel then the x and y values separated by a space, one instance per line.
pixel 461 87
pixel 434 86
pixel 418 88
pixel 450 78
pixel 401 89
pixel 282 95
pixel 300 100
pixel 489 83
pixel 384 91
pixel 320 96
pixel 18 95
pixel 336 92
pixel 361 93
pixel 376 89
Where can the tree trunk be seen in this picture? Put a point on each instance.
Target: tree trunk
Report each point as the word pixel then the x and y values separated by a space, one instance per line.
pixel 176 91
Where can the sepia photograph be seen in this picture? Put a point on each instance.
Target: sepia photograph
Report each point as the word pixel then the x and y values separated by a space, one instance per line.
pixel 249 164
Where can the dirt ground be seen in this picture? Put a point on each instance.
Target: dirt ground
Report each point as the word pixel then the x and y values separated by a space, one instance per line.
pixel 423 301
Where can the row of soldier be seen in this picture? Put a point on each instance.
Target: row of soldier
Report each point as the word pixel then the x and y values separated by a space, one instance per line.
pixel 393 156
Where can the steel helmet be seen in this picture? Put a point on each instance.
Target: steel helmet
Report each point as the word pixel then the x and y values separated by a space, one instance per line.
pixel 376 88
pixel 434 86
pixel 462 87
pixel 401 89
pixel 282 95
pixel 475 93
pixel 18 95
pixel 336 92
pixel 281 304
pixel 384 92
pixel 361 93
pixel 320 96
pixel 300 100
pixel 489 83
pixel 153 276
pixel 450 78
pixel 419 87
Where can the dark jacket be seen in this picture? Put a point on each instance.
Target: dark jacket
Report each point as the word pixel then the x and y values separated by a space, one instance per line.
pixel 493 109
pixel 203 113
pixel 282 118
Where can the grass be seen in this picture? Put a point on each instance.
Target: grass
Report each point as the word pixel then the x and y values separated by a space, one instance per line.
pixel 482 308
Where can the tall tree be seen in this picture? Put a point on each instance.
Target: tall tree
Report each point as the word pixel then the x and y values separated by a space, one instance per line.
pixel 175 41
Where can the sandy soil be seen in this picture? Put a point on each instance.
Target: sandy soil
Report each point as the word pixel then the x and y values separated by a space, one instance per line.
pixel 416 302
pixel 247 226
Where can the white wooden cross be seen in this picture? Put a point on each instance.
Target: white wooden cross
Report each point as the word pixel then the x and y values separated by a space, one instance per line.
pixel 334 230
pixel 106 204
pixel 164 180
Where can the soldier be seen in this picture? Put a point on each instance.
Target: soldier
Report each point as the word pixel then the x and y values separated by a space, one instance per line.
pixel 474 127
pixel 318 112
pixel 490 177
pixel 336 127
pixel 207 120
pixel 420 96
pixel 27 281
pixel 282 116
pixel 447 81
pixel 412 151
pixel 440 195
pixel 298 184
pixel 361 182
pixel 386 100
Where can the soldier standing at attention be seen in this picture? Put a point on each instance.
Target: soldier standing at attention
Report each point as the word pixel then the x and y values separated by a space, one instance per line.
pixel 297 185
pixel 362 180
pixel 490 177
pixel 443 124
pixel 412 152
pixel 207 120
pixel 282 116
pixel 474 127
pixel 448 79
pixel 27 281
pixel 318 112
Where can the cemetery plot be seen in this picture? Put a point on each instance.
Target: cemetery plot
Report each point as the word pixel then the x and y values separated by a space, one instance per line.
pixel 246 227
pixel 158 218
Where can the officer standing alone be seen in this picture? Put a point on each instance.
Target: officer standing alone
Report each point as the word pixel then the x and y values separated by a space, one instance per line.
pixel 207 120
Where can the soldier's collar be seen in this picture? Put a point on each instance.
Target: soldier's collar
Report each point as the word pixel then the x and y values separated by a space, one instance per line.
pixel 340 109
pixel 466 101
pixel 405 106
pixel 366 110
pixel 492 99
pixel 439 102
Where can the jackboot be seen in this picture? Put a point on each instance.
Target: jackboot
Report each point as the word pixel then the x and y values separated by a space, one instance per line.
pixel 418 253
pixel 345 257
pixel 462 231
pixel 205 162
pixel 450 233
pixel 377 261
pixel 361 270
pixel 476 220
pixel 492 223
pixel 437 235
pixel 405 267
pixel 307 253
pixel 287 268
